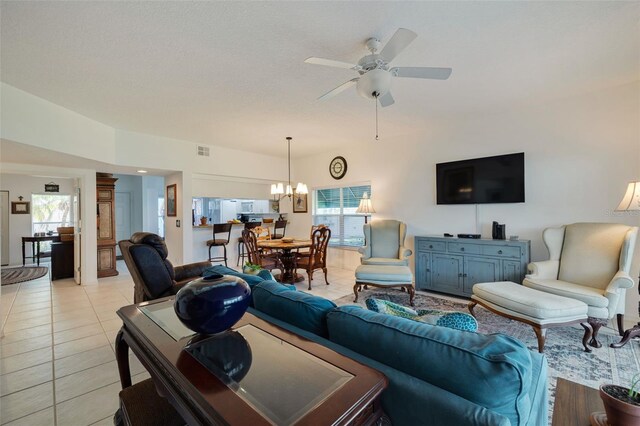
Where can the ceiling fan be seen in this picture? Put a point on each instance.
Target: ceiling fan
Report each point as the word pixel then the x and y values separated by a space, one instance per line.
pixel 375 77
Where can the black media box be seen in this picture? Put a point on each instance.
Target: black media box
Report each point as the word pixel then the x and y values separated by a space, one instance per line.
pixel 474 236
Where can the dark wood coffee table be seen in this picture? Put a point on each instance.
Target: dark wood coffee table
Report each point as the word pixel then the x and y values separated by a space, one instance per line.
pixel 258 374
pixel 574 404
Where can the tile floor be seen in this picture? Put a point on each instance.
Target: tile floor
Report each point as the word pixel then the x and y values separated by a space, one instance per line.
pixel 57 360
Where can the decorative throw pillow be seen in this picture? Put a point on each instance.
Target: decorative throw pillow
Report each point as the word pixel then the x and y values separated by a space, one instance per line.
pixel 456 320
pixel 390 308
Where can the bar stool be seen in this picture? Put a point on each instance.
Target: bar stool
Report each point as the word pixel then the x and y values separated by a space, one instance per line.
pixel 241 252
pixel 280 224
pixel 220 228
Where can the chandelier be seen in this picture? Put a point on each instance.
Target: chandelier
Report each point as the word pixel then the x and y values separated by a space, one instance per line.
pixel 278 190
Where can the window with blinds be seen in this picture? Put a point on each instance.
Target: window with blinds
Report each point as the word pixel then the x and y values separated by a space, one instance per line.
pixel 336 208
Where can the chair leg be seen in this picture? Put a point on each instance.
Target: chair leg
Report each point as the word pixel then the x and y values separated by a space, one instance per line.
pixel 588 332
pixel 240 252
pixel 210 253
pixel 620 318
pixel 326 280
pixel 541 334
pixel 224 246
pixel 595 324
pixel 310 276
pixel 356 288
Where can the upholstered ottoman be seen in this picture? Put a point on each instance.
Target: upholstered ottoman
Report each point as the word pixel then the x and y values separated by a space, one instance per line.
pixel 538 309
pixel 384 276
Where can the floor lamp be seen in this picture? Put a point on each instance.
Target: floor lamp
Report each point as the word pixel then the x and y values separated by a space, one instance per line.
pixel 630 202
pixel 365 206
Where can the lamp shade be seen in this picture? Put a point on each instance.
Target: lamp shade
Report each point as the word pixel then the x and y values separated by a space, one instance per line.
pixel 365 205
pixel 631 199
pixel 277 189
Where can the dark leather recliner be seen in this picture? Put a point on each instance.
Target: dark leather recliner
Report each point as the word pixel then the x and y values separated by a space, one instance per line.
pixel 153 275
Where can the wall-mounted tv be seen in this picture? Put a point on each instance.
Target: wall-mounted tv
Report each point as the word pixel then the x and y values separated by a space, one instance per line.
pixel 498 179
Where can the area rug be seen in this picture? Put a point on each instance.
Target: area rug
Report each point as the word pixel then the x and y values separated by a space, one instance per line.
pixel 563 347
pixel 26 273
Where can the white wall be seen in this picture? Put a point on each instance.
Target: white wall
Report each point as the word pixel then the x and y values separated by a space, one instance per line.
pixel 152 190
pixel 580 154
pixel 29 119
pixel 132 185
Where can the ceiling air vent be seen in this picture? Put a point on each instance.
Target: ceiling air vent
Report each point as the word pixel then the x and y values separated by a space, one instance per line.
pixel 203 151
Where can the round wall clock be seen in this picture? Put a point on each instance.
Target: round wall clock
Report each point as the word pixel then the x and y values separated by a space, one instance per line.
pixel 338 167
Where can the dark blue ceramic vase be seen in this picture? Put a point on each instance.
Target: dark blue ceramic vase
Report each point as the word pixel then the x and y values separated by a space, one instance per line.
pixel 212 304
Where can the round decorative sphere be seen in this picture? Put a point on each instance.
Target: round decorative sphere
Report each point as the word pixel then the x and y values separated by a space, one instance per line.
pixel 212 304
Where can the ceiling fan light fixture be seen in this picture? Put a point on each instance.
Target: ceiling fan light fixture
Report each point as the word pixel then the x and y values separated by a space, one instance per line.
pixel 374 83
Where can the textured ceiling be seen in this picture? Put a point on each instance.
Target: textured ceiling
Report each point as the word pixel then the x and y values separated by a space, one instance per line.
pixel 232 73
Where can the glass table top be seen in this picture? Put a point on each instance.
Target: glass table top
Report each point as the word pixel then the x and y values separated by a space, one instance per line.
pixel 279 380
pixel 165 317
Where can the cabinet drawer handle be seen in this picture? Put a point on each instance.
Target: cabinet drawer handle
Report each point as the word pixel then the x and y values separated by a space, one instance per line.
pixel 428 270
pixel 499 251
pixel 431 246
pixel 461 248
pixel 460 275
pixel 464 275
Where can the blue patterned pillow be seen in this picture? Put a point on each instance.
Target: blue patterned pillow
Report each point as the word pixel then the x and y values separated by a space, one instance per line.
pixel 451 319
pixel 458 320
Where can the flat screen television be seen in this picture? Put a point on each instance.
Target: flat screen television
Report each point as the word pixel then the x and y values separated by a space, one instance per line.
pixel 498 179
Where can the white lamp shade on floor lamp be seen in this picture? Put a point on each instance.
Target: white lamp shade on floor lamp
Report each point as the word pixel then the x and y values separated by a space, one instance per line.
pixel 365 206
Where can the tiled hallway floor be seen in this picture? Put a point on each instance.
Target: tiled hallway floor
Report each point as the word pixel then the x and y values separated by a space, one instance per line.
pixel 57 360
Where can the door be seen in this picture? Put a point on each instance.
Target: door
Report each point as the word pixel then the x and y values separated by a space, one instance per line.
pixel 446 273
pixel 4 231
pixel 77 235
pixel 423 270
pixel 511 271
pixel 123 218
pixel 480 270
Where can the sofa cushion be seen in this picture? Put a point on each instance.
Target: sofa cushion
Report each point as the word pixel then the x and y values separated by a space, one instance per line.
pixel 298 308
pixel 393 274
pixel 589 295
pixel 591 253
pixel 493 371
pixel 385 239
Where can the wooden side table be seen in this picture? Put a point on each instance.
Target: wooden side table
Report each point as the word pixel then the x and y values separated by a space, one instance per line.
pixel 574 404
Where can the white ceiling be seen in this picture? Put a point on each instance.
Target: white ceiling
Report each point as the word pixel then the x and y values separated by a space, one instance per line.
pixel 232 73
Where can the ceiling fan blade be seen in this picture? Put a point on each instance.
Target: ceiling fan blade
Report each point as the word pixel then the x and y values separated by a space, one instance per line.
pixel 330 63
pixel 422 72
pixel 386 99
pixel 339 89
pixel 399 41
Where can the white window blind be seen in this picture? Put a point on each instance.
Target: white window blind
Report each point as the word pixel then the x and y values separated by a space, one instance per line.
pixel 336 208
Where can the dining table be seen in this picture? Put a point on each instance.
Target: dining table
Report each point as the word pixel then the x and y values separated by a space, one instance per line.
pixel 287 256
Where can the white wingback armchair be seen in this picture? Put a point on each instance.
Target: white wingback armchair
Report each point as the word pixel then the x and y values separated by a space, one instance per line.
pixel 384 243
pixel 588 262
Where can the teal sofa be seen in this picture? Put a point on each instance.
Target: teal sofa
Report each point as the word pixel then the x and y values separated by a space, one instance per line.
pixel 437 375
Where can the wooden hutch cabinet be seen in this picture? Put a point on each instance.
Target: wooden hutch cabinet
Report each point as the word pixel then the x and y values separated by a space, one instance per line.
pixel 105 192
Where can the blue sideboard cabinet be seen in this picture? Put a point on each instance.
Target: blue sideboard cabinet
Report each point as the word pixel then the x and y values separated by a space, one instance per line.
pixel 454 265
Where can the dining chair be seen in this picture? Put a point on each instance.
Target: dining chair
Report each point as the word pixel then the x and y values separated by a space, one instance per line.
pixel 317 256
pixel 269 261
pixel 220 228
pixel 280 225
pixel 241 251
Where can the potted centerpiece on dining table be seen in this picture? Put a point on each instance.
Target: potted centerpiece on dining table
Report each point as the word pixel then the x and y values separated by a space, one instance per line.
pixel 251 269
pixel 621 404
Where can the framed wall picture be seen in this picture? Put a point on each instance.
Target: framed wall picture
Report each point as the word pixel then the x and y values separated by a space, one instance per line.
pixel 20 207
pixel 299 202
pixel 172 199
